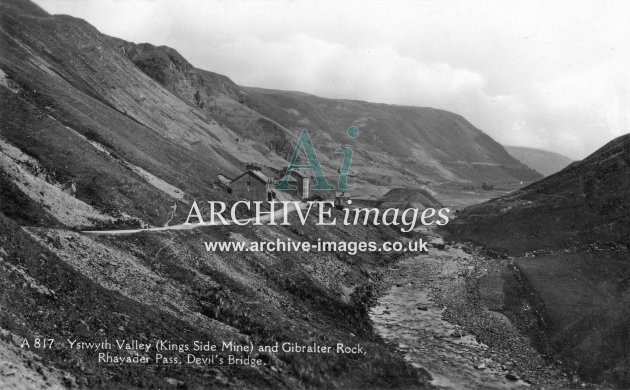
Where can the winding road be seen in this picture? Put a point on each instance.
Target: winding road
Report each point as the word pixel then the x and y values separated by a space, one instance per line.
pixel 182 226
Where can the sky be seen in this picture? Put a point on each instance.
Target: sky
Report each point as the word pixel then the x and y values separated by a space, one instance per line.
pixel 553 75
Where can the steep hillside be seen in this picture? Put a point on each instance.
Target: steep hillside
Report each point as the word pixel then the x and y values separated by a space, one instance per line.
pixel 69 95
pixel 88 140
pixel 542 161
pixel 571 234
pixel 397 146
pixel 98 86
pixel 587 202
pixel 96 132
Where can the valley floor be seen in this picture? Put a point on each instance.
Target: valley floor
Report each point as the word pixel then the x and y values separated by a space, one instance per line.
pixel 464 318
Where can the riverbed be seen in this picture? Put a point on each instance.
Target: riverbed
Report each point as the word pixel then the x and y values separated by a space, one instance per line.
pixel 409 315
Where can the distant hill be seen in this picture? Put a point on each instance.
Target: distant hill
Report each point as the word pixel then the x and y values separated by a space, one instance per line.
pixel 544 162
pixel 570 233
pixel 397 145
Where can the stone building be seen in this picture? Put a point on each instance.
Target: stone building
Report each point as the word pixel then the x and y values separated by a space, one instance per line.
pixel 253 185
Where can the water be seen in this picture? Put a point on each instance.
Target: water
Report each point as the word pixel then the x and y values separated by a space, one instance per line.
pixel 408 317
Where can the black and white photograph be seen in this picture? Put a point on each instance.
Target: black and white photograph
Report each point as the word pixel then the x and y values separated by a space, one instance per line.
pixel 314 194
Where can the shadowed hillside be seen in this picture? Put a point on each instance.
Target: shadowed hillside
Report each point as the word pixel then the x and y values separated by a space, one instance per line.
pixel 587 202
pixel 571 233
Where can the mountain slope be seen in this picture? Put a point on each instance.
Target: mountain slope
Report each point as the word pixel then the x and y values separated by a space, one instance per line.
pixel 397 145
pixel 89 140
pixel 67 102
pixel 571 234
pixel 589 201
pixel 98 132
pixel 407 143
pixel 542 161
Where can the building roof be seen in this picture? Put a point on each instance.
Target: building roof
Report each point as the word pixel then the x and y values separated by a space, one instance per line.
pixel 256 174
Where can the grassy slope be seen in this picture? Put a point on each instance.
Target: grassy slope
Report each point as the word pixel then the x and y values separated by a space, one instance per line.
pixel 430 145
pixel 586 202
pixel 80 308
pixel 67 69
pixel 575 228
pixel 122 285
pixel 101 181
pixel 586 298
pixel 264 298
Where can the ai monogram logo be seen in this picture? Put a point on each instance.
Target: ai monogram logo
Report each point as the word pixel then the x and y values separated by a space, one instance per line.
pixel 313 164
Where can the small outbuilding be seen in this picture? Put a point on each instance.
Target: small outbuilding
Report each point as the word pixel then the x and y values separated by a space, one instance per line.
pixel 301 181
pixel 253 185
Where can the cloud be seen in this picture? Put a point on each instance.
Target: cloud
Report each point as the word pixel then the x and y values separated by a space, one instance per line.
pixel 531 73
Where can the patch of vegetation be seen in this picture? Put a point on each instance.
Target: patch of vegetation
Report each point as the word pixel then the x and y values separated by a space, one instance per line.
pixel 16 205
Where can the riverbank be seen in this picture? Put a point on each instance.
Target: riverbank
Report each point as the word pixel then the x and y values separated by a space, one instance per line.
pixel 462 315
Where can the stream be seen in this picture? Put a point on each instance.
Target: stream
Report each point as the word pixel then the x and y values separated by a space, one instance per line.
pixel 408 317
